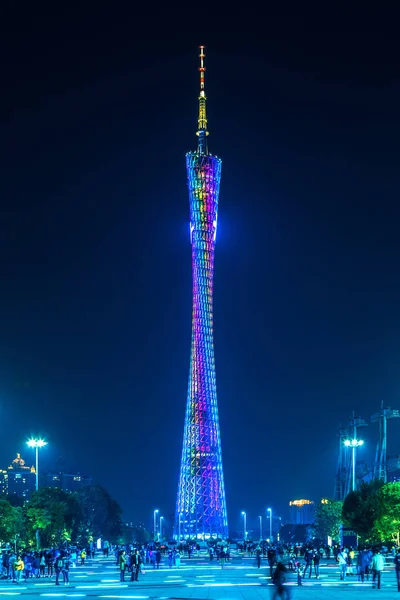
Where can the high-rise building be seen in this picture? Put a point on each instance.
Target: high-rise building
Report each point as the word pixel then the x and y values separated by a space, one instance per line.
pixel 69 482
pixel 19 480
pixel 201 505
pixel 302 512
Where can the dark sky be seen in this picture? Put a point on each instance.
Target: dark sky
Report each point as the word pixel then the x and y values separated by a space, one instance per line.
pixel 97 113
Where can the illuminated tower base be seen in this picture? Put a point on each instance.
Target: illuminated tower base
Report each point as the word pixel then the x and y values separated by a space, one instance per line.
pixel 201 506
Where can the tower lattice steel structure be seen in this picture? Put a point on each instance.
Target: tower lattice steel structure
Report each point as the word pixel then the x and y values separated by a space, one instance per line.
pixel 201 506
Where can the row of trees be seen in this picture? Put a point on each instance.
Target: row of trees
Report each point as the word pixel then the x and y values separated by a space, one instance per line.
pixel 373 512
pixel 54 517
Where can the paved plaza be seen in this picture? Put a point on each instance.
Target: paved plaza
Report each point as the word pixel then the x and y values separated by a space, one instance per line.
pixel 197 578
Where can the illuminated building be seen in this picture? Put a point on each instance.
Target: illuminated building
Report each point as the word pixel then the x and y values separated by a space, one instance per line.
pixel 302 512
pixel 201 506
pixel 19 480
pixel 69 482
pixel 3 482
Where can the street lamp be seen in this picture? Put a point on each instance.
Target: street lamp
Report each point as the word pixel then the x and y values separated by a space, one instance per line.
pixel 155 521
pixel 161 520
pixel 261 531
pixel 353 444
pixel 270 523
pixel 36 443
pixel 244 525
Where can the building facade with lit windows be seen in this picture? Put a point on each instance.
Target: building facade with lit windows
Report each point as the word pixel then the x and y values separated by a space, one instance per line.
pixel 18 479
pixel 68 482
pixel 302 512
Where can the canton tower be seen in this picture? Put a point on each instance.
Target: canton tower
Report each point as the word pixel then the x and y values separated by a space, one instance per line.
pixel 201 506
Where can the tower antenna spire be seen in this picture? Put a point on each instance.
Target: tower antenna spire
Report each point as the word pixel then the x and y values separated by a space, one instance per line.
pixel 202 132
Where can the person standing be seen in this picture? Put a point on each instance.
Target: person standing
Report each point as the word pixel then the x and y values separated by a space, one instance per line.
pixel 378 563
pixel 258 557
pixel 58 565
pixel 342 560
pixel 122 565
pixel 138 565
pixel 397 567
pixel 178 560
pixel 19 569
pixel 65 569
pixel 222 558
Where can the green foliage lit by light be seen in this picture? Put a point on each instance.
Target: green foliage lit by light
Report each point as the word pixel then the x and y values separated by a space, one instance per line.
pixel 387 524
pixel 55 517
pixel 328 518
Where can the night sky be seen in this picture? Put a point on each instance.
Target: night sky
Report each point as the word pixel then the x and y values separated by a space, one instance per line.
pixel 97 113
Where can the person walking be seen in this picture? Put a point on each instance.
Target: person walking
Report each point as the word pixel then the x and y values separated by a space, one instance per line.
pixel 397 567
pixel 378 563
pixel 316 559
pixel 279 580
pixel 308 557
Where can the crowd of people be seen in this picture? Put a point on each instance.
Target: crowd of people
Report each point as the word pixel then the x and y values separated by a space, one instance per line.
pixel 52 563
pixel 132 560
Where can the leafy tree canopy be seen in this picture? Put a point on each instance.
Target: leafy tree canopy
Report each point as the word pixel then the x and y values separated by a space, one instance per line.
pixel 328 518
pixel 362 508
pixel 387 524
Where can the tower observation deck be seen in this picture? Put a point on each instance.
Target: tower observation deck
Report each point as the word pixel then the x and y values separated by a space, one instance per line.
pixel 201 506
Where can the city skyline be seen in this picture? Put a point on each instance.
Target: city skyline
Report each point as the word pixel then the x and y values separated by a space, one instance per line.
pixel 95 309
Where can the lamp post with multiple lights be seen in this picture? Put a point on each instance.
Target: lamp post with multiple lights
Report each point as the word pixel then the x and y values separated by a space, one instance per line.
pixel 270 523
pixel 161 520
pixel 353 444
pixel 244 525
pixel 36 443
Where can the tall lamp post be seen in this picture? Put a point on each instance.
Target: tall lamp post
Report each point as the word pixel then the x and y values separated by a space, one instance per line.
pixel 261 531
pixel 244 525
pixel 270 523
pixel 155 522
pixel 161 520
pixel 353 444
pixel 36 443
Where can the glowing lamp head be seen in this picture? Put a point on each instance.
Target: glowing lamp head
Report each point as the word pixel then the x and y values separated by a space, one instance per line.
pixel 353 443
pixel 243 512
pixel 36 443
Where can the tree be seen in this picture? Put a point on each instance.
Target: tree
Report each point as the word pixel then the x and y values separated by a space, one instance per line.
pixel 328 518
pixel 9 520
pixel 387 524
pixel 362 508
pixel 101 514
pixel 50 512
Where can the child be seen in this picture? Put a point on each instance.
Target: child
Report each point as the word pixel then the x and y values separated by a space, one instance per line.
pixel 299 571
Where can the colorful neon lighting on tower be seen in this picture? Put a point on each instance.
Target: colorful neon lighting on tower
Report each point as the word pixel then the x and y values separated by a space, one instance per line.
pixel 201 506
